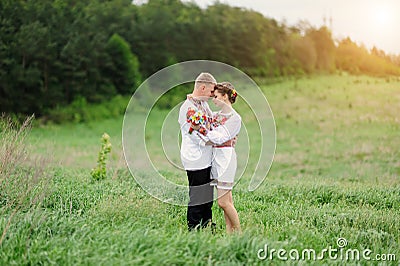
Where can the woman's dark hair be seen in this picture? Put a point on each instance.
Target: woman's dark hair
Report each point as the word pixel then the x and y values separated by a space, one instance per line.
pixel 227 88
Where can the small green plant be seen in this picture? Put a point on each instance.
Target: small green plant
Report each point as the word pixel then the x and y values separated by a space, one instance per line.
pixel 100 172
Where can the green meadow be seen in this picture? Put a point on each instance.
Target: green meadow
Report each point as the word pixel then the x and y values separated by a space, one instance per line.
pixel 335 174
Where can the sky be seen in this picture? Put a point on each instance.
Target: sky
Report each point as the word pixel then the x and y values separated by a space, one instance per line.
pixel 367 22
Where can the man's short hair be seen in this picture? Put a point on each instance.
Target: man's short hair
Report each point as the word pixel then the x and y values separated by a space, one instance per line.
pixel 204 78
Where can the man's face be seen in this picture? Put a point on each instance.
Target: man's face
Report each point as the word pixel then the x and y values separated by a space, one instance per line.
pixel 209 91
pixel 206 91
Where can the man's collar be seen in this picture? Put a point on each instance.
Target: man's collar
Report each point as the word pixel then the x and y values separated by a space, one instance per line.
pixel 198 99
pixel 194 99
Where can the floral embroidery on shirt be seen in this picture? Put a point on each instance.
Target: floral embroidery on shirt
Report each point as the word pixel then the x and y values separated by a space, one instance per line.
pixel 200 106
pixel 219 119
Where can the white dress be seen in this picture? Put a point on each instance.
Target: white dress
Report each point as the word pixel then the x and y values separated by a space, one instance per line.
pixel 224 163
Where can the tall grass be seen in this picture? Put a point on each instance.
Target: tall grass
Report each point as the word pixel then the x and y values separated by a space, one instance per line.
pixel 335 174
pixel 23 180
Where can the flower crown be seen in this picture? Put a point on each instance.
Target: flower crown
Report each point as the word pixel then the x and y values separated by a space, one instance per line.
pixel 233 94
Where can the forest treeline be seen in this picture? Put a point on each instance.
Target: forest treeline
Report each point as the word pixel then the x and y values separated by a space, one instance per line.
pixel 56 52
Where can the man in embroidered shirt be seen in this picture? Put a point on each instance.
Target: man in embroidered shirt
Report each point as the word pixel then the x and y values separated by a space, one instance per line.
pixel 196 156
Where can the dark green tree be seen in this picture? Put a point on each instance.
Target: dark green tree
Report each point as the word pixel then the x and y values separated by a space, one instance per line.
pixel 123 67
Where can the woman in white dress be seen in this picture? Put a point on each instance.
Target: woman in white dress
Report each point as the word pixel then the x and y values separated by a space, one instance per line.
pixel 225 127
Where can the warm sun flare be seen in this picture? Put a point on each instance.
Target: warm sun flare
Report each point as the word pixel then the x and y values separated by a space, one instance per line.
pixel 380 23
pixel 383 16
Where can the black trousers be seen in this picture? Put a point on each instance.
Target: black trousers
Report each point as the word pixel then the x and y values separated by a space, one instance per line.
pixel 200 198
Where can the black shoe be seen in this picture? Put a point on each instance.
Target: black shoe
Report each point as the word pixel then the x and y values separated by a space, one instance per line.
pixel 193 227
pixel 213 227
pixel 206 224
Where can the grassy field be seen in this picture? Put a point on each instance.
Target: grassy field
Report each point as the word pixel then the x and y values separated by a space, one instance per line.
pixel 336 174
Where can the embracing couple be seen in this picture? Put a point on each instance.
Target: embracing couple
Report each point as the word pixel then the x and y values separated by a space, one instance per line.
pixel 207 150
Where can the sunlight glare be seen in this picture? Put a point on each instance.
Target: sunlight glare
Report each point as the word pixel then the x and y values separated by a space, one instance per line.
pixel 383 16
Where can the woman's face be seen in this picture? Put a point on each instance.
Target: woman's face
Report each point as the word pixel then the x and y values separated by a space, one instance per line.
pixel 219 99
